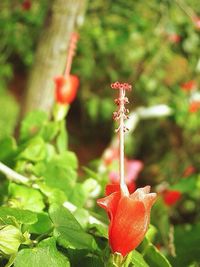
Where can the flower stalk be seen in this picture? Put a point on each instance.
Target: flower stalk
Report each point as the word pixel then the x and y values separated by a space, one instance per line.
pixel 120 116
pixel 71 53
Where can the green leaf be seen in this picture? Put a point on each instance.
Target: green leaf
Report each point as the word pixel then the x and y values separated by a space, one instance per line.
pixel 187 185
pixel 100 230
pixel 90 262
pixel 78 195
pixel 60 176
pixel 82 216
pixel 26 197
pixel 68 231
pixel 93 107
pixel 21 216
pixel 49 131
pixel 160 218
pixel 91 173
pixel 35 150
pixel 43 225
pixel 138 260
pixel 8 146
pixel 187 240
pixel 79 258
pixel 32 124
pixel 151 233
pixel 44 255
pixel 67 158
pixel 153 256
pixel 54 195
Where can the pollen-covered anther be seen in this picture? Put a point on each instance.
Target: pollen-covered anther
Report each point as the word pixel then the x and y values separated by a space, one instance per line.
pixel 124 86
pixel 125 116
pixel 116 115
pixel 117 101
pixel 125 129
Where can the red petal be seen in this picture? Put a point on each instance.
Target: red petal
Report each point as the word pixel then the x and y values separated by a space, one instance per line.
pixel 111 188
pixel 149 201
pixel 131 187
pixel 110 204
pixel 140 193
pixel 129 225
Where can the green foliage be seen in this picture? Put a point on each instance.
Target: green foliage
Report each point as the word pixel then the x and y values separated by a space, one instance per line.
pixel 153 257
pixel 48 213
pixel 25 198
pixel 10 239
pixel 187 245
pixel 44 255
pixel 13 215
pixel 8 118
pixel 68 230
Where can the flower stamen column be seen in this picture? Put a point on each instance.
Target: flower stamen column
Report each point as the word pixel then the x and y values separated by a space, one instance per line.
pixel 120 116
pixel 71 53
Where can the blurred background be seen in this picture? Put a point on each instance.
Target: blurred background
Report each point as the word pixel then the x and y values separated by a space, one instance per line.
pixel 153 45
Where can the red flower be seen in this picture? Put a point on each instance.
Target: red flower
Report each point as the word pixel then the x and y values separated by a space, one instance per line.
pixel 189 86
pixel 194 106
pixel 66 89
pixel 189 171
pixel 111 188
pixel 129 218
pixel 26 5
pixel 171 197
pixel 174 38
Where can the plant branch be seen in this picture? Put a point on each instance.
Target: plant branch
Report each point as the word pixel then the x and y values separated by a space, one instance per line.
pixel 12 175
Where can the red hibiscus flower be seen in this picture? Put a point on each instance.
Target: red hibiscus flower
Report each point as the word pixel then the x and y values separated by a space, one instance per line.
pixel 194 106
pixel 171 197
pixel 189 86
pixel 66 89
pixel 129 218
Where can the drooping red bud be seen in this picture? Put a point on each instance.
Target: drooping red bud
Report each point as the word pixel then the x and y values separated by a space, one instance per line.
pixel 66 89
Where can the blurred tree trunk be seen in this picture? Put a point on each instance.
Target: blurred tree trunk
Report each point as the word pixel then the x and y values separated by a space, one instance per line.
pixel 51 53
